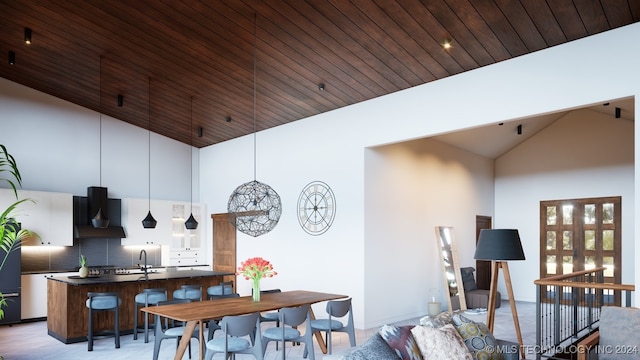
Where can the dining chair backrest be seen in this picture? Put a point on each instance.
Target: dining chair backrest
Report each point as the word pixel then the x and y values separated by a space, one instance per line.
pixel 294 316
pixel 338 308
pixel 241 325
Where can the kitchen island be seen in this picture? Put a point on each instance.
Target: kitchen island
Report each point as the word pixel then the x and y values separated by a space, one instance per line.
pixel 67 315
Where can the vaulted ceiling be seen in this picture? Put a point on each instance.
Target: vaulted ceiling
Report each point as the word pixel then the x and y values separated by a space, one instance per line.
pixel 184 65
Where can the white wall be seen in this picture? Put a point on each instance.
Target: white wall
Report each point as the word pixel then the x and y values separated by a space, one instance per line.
pixel 57 150
pixel 411 188
pixel 329 147
pixel 584 154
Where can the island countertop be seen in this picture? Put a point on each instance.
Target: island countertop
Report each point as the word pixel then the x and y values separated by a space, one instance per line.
pixel 67 315
pixel 122 278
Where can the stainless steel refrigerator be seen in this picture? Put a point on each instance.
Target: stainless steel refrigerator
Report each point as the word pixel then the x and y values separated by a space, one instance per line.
pixel 10 286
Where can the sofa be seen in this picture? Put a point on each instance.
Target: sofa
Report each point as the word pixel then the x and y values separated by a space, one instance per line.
pixel 449 336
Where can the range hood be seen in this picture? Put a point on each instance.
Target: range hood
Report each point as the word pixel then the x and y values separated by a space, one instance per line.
pixel 85 208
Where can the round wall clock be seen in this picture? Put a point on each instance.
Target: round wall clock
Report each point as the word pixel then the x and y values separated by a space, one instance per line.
pixel 316 208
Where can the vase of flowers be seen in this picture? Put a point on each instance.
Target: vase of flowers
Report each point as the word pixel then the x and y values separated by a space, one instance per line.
pixel 255 269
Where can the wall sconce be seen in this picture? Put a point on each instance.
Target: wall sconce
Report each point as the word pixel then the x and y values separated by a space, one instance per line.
pixel 27 36
pixel 12 58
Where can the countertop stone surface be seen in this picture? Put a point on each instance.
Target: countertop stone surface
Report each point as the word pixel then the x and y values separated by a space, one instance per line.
pixel 118 278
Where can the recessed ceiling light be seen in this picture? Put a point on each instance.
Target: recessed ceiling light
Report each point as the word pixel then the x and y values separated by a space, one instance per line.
pixel 27 36
pixel 446 44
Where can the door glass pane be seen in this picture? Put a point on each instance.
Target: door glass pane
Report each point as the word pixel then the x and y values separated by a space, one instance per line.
pixel 589 240
pixel 607 261
pixel 589 262
pixel 607 213
pixel 567 264
pixel 607 240
pixel 590 214
pixel 567 214
pixel 551 215
pixel 551 240
pixel 567 240
pixel 551 264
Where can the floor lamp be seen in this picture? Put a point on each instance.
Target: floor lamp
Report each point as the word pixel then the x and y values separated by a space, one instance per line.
pixel 499 246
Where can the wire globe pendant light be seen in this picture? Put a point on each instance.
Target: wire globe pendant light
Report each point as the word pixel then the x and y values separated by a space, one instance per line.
pixel 191 223
pixel 255 207
pixel 149 222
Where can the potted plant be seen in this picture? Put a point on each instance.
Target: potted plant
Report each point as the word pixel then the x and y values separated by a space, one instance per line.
pixel 84 269
pixel 11 236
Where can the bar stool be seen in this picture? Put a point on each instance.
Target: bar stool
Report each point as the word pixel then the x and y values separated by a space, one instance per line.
pixel 225 288
pixel 103 301
pixel 144 299
pixel 189 292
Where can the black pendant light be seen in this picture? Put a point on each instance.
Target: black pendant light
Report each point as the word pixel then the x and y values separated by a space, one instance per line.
pixel 191 223
pixel 100 220
pixel 149 222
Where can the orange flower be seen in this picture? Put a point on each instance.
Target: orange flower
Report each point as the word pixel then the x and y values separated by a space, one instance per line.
pixel 256 268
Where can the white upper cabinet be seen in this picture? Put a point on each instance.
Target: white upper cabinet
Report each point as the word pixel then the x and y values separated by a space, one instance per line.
pixel 135 210
pixel 48 214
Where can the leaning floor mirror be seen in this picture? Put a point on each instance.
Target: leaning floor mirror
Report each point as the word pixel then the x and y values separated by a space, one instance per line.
pixel 450 268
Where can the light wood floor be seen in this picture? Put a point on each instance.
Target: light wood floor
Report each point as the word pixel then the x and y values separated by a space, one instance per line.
pixel 30 341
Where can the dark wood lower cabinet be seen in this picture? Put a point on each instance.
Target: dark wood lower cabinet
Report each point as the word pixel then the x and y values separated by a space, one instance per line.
pixel 67 315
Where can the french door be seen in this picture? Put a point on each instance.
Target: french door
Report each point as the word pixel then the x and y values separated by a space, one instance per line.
pixel 581 234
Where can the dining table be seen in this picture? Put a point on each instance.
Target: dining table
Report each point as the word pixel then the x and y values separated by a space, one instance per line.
pixel 196 314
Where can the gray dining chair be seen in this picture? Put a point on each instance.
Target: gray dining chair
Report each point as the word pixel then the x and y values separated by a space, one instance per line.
pixel 191 292
pixel 238 337
pixel 147 297
pixel 336 309
pixel 213 324
pixel 171 329
pixel 290 319
pixel 103 301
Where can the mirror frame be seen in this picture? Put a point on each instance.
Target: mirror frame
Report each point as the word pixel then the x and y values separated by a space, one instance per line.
pixel 448 247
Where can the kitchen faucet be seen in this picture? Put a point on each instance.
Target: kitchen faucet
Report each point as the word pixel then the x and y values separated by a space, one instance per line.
pixel 143 251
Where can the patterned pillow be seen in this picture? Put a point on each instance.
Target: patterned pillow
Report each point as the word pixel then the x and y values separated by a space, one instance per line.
pixel 400 339
pixel 442 343
pixel 478 338
pixel 439 320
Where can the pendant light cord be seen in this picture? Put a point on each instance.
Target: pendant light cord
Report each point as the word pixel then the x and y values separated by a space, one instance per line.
pixel 100 117
pixel 149 144
pixel 255 52
pixel 191 154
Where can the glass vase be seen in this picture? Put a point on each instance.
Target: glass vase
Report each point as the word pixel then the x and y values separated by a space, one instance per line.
pixel 256 289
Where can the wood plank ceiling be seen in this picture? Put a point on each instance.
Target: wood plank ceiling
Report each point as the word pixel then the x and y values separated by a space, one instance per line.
pixel 182 65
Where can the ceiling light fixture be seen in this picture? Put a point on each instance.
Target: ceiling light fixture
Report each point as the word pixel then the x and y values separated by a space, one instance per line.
pixel 120 100
pixel 446 44
pixel 149 222
pixel 321 87
pixel 100 220
pixel 191 222
pixel 27 36
pixel 519 129
pixel 12 58
pixel 255 208
pixel 618 113
pixel 200 131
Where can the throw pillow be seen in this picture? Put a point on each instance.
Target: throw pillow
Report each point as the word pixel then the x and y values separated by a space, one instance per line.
pixel 373 349
pixel 478 338
pixel 400 339
pixel 442 343
pixel 439 320
pixel 468 281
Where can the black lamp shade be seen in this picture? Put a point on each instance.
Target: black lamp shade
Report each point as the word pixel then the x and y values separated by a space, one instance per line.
pixel 499 245
pixel 149 222
pixel 100 221
pixel 191 223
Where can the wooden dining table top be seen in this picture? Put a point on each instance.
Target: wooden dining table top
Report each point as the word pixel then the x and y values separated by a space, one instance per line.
pixel 197 312
pixel 216 309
